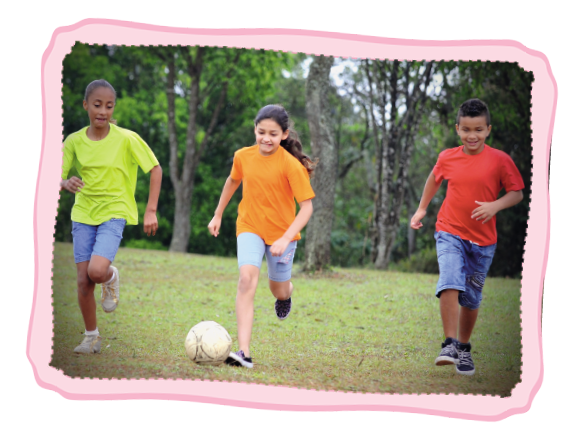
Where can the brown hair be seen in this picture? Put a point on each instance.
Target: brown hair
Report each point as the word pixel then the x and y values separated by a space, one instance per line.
pixel 292 143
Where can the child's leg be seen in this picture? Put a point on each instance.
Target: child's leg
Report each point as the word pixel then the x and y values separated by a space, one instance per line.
pixel 107 241
pixel 450 316
pixel 468 319
pixel 99 269
pixel 279 270
pixel 248 279
pixel 281 290
pixel 86 297
pixel 250 252
pixel 451 312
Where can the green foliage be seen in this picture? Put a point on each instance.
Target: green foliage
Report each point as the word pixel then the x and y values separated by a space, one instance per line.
pixel 424 261
pixel 144 244
pixel 263 77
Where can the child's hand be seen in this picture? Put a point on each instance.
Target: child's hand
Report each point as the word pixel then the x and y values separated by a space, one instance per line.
pixel 215 225
pixel 485 211
pixel 74 184
pixel 416 219
pixel 150 223
pixel 279 246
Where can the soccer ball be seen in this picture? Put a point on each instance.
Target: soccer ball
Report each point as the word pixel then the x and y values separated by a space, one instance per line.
pixel 208 343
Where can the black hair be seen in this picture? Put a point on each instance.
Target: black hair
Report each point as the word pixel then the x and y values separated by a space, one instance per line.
pixel 292 143
pixel 100 84
pixel 473 108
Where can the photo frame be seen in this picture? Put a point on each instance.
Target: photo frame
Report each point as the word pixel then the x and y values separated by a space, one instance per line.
pixel 275 397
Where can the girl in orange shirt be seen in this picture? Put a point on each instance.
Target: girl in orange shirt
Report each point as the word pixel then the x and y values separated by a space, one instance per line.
pixel 267 224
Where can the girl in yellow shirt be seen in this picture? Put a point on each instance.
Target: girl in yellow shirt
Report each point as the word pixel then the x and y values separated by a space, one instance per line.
pixel 273 173
pixel 107 159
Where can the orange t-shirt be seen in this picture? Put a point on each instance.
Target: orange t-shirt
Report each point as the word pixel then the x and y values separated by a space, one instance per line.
pixel 269 187
pixel 473 178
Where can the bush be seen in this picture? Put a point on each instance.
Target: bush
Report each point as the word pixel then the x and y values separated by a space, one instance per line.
pixel 143 243
pixel 424 261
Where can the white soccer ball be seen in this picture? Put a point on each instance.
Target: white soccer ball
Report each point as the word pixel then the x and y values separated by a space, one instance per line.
pixel 208 343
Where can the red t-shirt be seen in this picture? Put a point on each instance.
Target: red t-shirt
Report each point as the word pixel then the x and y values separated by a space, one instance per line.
pixel 473 178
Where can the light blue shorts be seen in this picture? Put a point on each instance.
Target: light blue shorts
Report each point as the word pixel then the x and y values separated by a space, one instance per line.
pixel 250 251
pixel 102 240
pixel 463 266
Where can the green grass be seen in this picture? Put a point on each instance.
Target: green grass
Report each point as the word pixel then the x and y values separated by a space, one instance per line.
pixel 352 330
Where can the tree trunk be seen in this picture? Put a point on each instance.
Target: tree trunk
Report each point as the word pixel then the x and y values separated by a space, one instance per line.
pixel 183 183
pixel 408 129
pixel 319 229
pixel 389 89
pixel 386 212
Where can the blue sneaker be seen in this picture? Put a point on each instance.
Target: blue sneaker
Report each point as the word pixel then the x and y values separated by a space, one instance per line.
pixel 238 359
pixel 466 364
pixel 449 353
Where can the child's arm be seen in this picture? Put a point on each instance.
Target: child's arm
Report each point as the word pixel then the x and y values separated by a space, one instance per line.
pixel 228 191
pixel 431 187
pixel 487 210
pixel 150 219
pixel 279 246
pixel 74 185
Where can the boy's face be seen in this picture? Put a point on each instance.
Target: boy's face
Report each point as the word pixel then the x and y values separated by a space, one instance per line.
pixel 473 131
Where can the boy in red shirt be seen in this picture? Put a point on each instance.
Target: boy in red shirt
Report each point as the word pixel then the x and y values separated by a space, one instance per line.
pixel 466 226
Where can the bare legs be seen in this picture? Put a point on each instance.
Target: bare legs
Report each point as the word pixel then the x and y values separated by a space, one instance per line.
pixel 454 317
pixel 248 279
pixel 89 273
pixel 281 290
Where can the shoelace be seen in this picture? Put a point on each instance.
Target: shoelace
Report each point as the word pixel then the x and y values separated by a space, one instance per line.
pixel 465 357
pixel 109 292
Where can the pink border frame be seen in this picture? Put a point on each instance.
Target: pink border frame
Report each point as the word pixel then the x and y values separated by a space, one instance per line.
pixel 486 408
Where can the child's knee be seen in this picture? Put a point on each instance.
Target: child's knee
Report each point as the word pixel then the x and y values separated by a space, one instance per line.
pixel 84 283
pixel 247 281
pixel 98 273
pixel 281 290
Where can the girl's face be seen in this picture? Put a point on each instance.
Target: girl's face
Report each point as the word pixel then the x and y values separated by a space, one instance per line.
pixel 99 106
pixel 269 135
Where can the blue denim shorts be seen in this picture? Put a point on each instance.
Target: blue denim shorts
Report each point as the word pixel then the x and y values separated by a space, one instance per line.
pixel 463 265
pixel 250 251
pixel 102 240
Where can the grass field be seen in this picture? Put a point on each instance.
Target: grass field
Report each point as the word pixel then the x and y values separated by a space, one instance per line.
pixel 353 330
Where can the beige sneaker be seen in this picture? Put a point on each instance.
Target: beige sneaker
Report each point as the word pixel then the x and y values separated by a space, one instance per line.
pixel 110 293
pixel 91 344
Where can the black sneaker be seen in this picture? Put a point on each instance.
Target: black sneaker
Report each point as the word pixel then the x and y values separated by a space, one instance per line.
pixel 466 364
pixel 238 359
pixel 448 354
pixel 283 308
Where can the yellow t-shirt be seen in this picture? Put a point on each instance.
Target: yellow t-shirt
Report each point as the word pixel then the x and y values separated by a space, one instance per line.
pixel 109 169
pixel 269 187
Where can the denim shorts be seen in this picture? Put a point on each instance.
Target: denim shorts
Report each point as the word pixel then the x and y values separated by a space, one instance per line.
pixel 463 265
pixel 102 240
pixel 250 251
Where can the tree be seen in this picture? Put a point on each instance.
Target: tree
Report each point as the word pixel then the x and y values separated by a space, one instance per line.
pixel 204 78
pixel 319 229
pixel 397 92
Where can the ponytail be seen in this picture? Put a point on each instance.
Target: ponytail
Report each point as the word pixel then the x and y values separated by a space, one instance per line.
pixel 293 145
